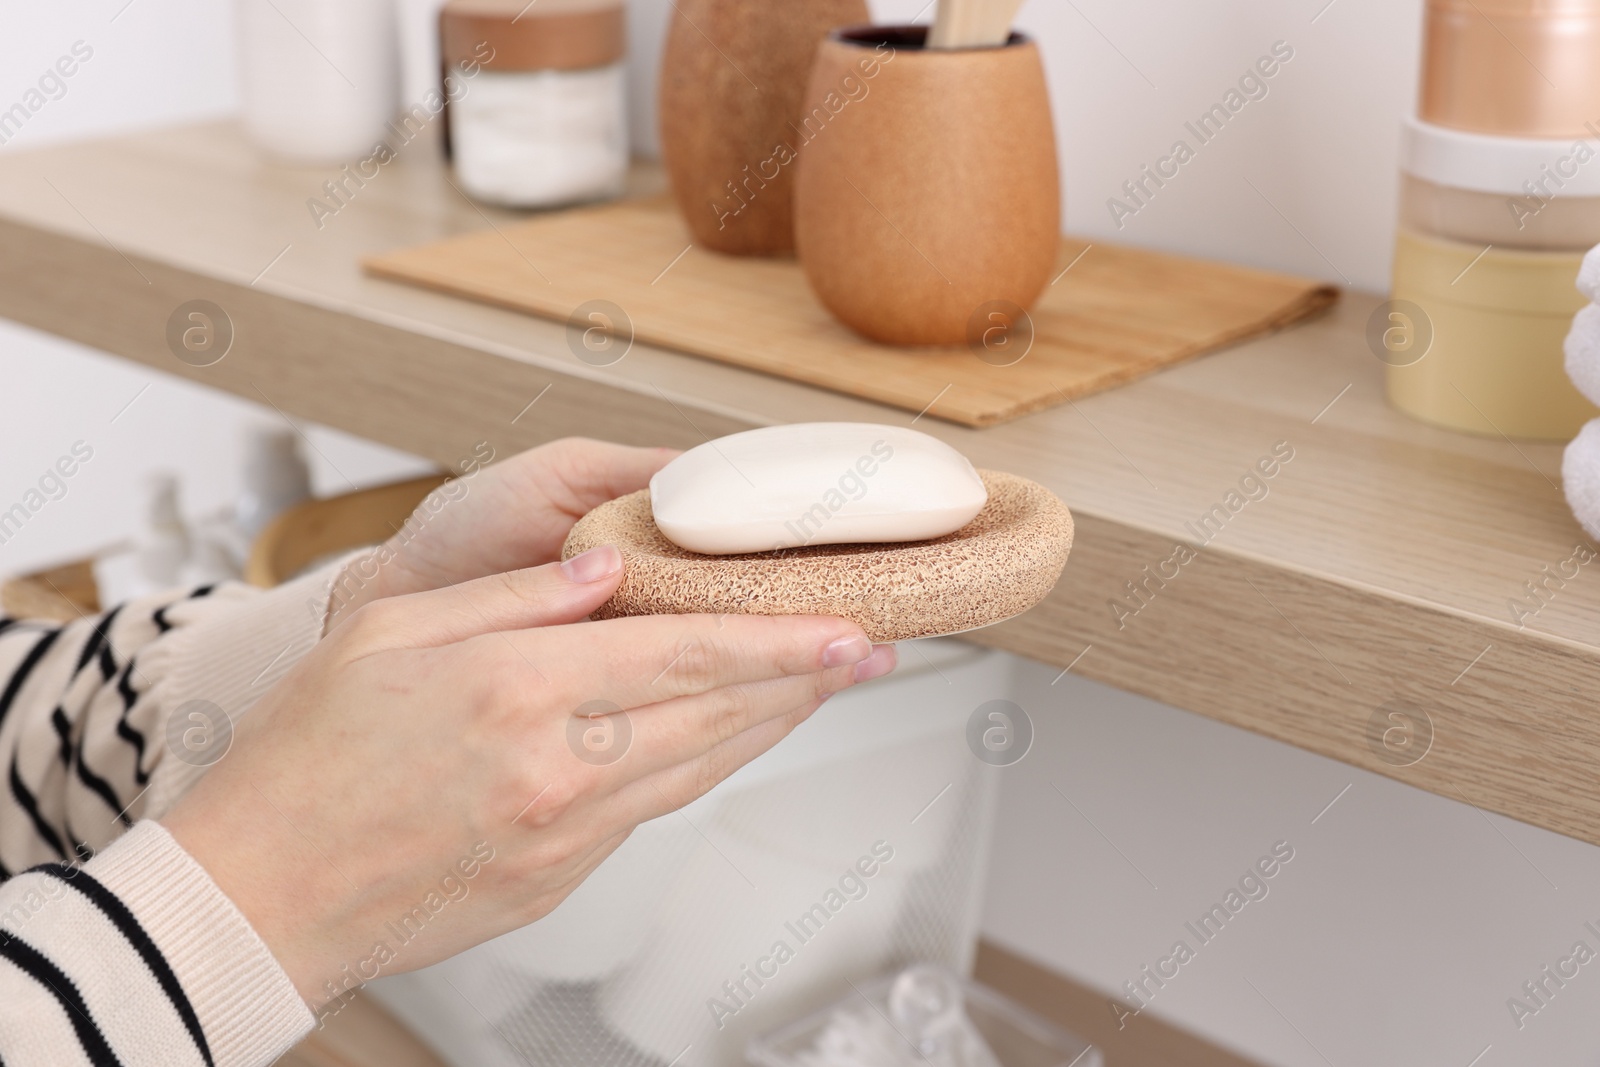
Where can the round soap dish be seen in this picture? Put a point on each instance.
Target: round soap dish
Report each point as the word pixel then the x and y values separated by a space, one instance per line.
pixel 998 565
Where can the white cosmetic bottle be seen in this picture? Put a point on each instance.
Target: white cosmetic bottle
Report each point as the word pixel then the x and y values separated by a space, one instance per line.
pixel 319 79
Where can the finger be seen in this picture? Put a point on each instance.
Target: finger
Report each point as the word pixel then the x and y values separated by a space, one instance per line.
pixel 629 745
pixel 642 660
pixel 675 787
pixel 588 473
pixel 541 493
pixel 552 595
pixel 676 731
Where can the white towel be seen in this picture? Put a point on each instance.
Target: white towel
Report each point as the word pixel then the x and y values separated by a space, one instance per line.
pixel 1583 352
pixel 1580 475
pixel 1589 275
pixel 1580 464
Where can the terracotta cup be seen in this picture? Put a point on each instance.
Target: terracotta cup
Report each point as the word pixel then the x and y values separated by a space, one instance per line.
pixel 927 195
pixel 1520 68
pixel 732 77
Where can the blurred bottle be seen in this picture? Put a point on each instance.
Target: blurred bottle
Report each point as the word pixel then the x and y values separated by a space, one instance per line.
pixel 275 477
pixel 419 49
pixel 163 544
pixel 319 79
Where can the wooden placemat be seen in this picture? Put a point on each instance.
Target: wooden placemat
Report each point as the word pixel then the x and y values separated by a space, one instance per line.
pixel 1115 314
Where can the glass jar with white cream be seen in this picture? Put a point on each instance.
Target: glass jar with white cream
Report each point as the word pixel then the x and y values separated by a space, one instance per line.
pixel 543 120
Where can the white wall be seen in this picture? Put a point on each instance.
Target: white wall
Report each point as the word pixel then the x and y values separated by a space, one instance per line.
pixel 135 420
pixel 154 62
pixel 1395 935
pixel 1125 75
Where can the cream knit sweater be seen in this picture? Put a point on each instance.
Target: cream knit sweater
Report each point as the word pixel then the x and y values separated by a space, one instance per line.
pixel 115 946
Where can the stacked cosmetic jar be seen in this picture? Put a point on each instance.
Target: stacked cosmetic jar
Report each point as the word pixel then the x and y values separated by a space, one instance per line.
pixel 1500 198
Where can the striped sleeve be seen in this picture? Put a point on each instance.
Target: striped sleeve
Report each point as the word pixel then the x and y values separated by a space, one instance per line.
pixel 115 946
pixel 111 718
pixel 137 958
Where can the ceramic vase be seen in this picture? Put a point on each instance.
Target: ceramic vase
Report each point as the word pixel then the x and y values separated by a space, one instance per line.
pixel 732 78
pixel 927 195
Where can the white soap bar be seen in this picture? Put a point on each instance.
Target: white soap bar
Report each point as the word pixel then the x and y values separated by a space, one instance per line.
pixel 814 483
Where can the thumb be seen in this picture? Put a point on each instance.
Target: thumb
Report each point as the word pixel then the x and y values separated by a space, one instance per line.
pixel 589 473
pixel 552 595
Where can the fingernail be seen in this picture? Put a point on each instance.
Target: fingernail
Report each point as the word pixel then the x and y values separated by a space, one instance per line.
pixel 883 660
pixel 593 565
pixel 845 651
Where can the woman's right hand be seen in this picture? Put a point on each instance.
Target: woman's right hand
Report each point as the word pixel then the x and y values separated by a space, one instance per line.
pixel 431 730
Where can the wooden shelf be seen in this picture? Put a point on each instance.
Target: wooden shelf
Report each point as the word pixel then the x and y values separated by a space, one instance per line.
pixel 364 1034
pixel 1379 569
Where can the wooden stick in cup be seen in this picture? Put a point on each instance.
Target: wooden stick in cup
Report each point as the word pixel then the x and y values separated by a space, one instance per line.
pixel 972 23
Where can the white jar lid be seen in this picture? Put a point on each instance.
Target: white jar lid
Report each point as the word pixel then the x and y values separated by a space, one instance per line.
pixel 1486 163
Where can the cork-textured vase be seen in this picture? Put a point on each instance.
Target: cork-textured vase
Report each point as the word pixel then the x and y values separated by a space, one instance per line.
pixel 928 193
pixel 732 78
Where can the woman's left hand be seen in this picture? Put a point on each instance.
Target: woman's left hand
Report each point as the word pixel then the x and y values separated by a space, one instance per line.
pixel 494 519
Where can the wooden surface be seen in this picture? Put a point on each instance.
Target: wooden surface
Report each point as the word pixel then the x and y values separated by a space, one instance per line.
pixel 1380 567
pixel 316 529
pixel 365 1035
pixel 361 1034
pixel 61 593
pixel 1116 315
pixel 1144 1040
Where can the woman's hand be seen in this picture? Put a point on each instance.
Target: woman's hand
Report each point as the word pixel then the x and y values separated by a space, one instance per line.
pixel 504 517
pixel 436 771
